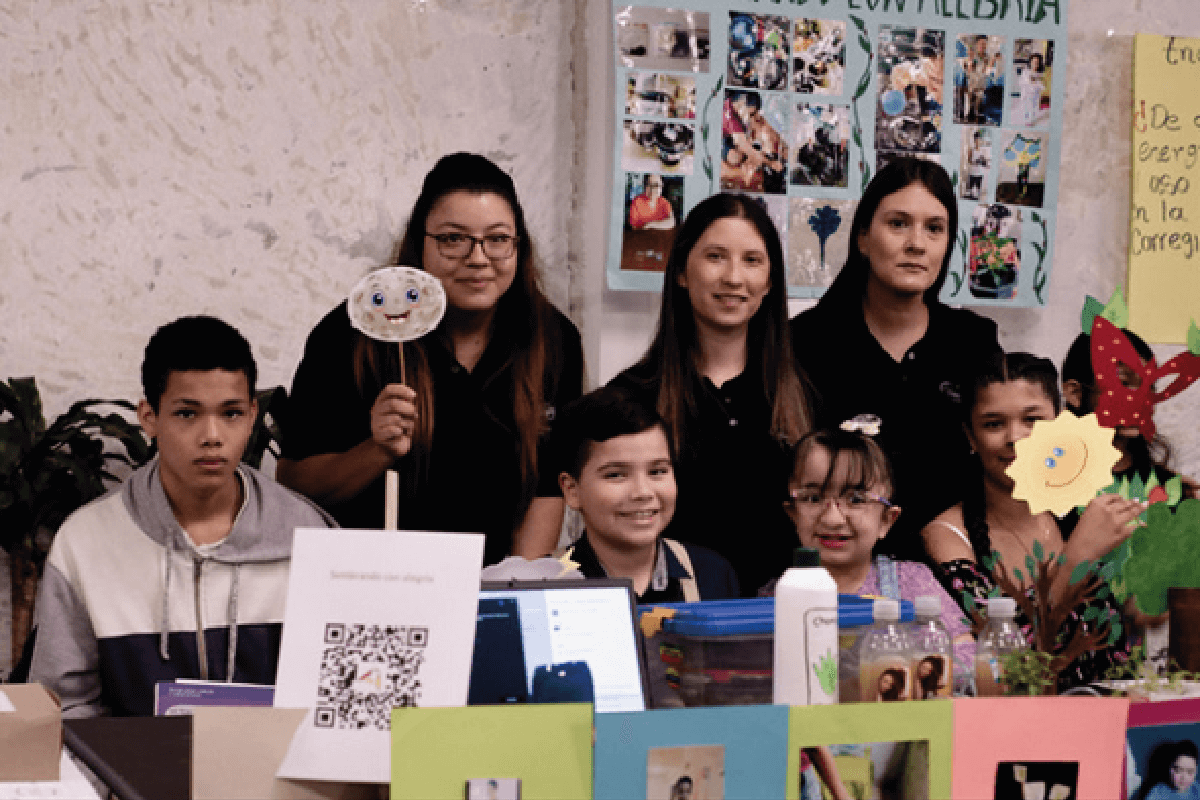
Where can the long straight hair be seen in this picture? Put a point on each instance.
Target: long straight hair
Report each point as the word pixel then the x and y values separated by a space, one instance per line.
pixel 674 353
pixel 895 177
pixel 523 313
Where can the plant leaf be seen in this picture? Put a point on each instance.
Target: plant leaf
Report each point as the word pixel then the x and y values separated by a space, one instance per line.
pixel 1080 572
pixel 1039 552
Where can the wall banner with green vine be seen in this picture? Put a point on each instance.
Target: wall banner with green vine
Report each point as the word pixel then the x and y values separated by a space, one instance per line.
pixel 799 103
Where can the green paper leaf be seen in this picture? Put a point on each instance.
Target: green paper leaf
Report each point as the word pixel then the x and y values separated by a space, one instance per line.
pixel 1031 566
pixel 1080 572
pixel 1039 552
pixel 1017 574
pixel 1114 633
pixel 1137 489
pixel 1115 311
pixel 1091 309
pixel 864 44
pixel 1193 338
pixel 1035 217
pixel 1174 488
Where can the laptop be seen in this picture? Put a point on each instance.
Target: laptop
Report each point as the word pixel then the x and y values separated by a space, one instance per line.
pixel 526 625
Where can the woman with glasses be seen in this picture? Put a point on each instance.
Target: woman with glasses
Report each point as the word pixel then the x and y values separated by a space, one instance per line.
pixel 721 375
pixel 467 427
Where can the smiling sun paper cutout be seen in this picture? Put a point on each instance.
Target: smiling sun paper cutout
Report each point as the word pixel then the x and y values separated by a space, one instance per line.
pixel 397 304
pixel 1063 463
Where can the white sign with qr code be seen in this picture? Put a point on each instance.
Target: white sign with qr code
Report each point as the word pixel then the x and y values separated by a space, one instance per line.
pixel 374 620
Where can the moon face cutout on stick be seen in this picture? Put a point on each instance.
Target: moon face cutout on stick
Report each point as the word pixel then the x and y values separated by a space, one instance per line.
pixel 1063 463
pixel 397 304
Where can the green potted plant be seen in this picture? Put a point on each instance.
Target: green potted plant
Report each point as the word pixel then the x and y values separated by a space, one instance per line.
pixel 46 472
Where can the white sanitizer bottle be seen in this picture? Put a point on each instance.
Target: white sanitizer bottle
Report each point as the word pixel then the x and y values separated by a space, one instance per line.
pixel 806 634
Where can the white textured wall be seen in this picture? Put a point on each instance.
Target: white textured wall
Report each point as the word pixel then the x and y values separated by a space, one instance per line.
pixel 250 160
pixel 1093 215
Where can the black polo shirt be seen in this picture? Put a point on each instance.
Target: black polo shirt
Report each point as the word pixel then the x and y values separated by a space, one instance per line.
pixel 473 482
pixel 917 398
pixel 732 476
pixel 715 578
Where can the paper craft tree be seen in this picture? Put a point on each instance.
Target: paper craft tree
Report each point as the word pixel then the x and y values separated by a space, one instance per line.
pixel 1064 463
pixel 1162 554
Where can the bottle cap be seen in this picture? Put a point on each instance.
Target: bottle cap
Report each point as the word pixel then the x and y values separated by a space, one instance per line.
pixel 1004 607
pixel 806 557
pixel 928 605
pixel 886 611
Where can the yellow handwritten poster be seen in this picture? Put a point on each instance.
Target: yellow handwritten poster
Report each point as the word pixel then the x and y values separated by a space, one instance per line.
pixel 1164 218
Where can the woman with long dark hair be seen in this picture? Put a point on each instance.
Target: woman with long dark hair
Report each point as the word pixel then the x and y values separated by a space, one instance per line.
pixel 880 342
pixel 721 374
pixel 466 427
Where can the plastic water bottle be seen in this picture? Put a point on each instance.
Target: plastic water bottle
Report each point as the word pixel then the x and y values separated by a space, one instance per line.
pixel 999 637
pixel 805 670
pixel 884 664
pixel 932 654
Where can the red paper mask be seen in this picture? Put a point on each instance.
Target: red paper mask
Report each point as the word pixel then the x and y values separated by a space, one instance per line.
pixel 1120 406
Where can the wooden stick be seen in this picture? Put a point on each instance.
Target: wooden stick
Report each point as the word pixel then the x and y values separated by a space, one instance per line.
pixel 401 346
pixel 391 501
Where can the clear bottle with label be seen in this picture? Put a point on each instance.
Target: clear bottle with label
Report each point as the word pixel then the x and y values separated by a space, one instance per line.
pixel 1000 636
pixel 884 662
pixel 932 655
pixel 806 634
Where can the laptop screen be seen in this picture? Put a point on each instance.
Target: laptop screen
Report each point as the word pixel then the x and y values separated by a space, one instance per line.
pixel 524 625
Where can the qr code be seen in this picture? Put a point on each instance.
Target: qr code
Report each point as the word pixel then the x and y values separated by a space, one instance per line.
pixel 366 670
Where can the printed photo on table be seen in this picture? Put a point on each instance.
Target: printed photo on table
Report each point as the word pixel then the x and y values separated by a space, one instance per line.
pixel 819 56
pixel 1036 780
pixel 1161 762
pixel 493 789
pixel 754 154
pixel 662 38
pixel 695 772
pixel 1033 60
pixel 820 140
pixel 1021 179
pixel 654 94
pixel 910 80
pixel 979 79
pixel 870 771
pixel 995 255
pixel 649 146
pixel 976 162
pixel 653 209
pixel 758 51
pixel 818 239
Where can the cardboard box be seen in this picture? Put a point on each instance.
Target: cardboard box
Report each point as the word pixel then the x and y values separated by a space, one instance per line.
pixel 30 733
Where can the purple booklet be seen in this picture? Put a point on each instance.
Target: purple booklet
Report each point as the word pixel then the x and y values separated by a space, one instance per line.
pixel 180 697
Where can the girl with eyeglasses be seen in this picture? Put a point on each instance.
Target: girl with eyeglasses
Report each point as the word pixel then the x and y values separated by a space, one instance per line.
pixel 467 428
pixel 839 500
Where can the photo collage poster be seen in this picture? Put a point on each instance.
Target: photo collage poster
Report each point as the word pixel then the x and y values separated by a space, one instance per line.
pixel 799 104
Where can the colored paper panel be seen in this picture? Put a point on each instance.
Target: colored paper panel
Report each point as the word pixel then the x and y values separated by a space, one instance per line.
pixel 1032 731
pixel 1164 240
pixel 548 747
pixel 861 723
pixel 754 739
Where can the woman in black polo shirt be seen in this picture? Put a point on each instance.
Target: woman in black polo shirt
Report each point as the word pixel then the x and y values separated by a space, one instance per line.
pixel 721 374
pixel 467 429
pixel 881 342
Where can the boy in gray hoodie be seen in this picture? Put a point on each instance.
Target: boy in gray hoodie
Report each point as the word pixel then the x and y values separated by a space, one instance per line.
pixel 182 572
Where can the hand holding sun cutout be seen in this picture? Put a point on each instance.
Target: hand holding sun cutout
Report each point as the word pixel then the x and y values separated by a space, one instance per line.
pixel 397 304
pixel 1063 463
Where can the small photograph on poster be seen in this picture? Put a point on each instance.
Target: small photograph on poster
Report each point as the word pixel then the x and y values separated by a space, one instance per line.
pixel 493 789
pixel 1021 179
pixel 753 149
pixel 662 38
pixel 650 146
pixel 976 162
pixel 758 51
pixel 995 254
pixel 819 56
pixel 978 79
pixel 911 74
pixel 818 239
pixel 871 770
pixel 1162 761
pixel 696 772
pixel 820 140
pixel 653 94
pixel 1033 60
pixel 1046 780
pixel 653 208
pixel 885 157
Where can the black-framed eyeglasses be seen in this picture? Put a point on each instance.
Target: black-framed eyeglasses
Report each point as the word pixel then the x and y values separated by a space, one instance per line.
pixel 814 503
pixel 460 245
